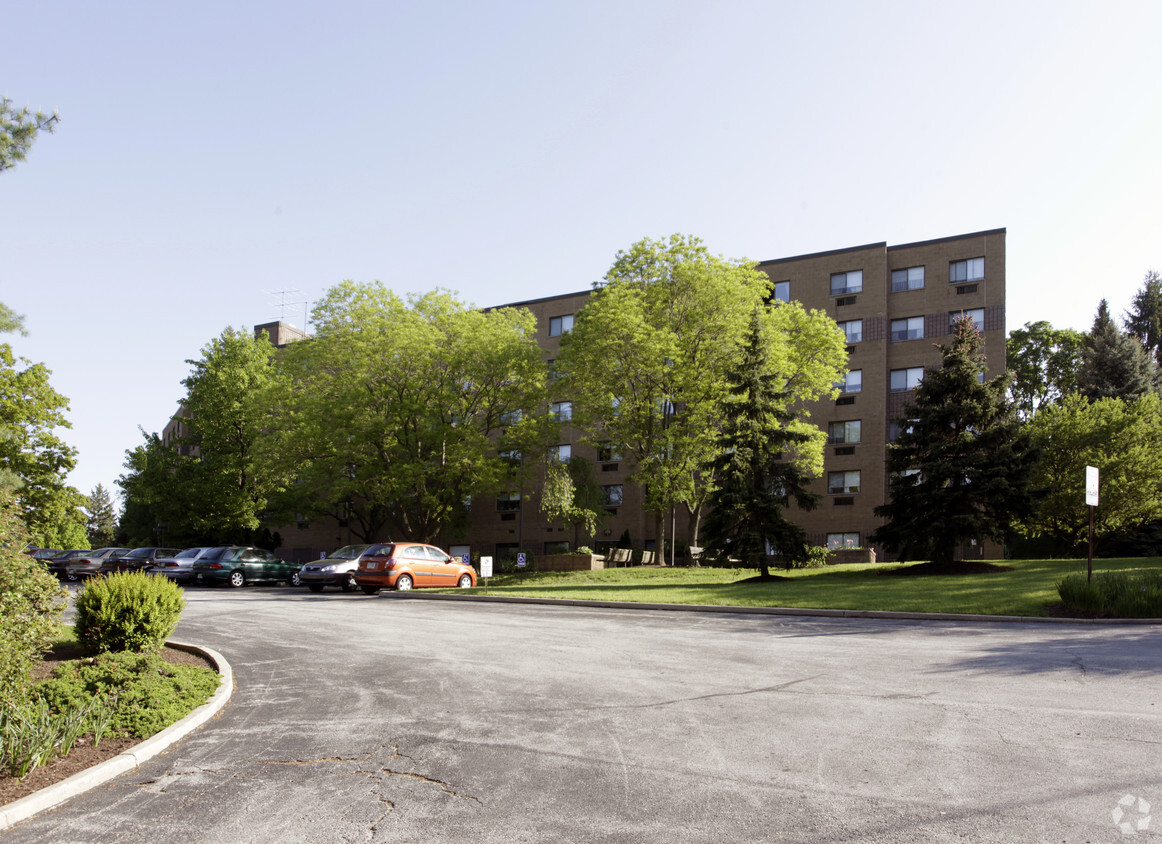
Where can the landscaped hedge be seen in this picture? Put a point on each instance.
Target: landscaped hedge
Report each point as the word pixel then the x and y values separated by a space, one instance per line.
pixel 128 611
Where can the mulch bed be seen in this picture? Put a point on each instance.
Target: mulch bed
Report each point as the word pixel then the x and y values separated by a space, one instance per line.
pixel 83 755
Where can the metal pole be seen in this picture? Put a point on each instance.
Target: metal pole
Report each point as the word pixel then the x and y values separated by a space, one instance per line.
pixel 1089 575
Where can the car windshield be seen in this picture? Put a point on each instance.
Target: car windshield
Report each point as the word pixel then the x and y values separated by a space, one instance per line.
pixel 217 553
pixel 189 552
pixel 139 552
pixel 385 550
pixel 348 552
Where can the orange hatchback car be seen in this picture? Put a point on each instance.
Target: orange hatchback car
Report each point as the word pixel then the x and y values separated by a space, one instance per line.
pixel 402 565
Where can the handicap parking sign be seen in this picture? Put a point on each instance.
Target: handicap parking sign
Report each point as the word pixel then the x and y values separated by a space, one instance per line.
pixel 520 560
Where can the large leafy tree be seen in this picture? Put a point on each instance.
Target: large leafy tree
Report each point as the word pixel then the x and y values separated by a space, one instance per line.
pixel 764 460
pixel 226 417
pixel 18 130
pixel 1044 362
pixel 645 365
pixel 571 494
pixel 1114 364
pixel 961 468
pixel 34 461
pixel 154 507
pixel 1119 437
pixel 398 412
pixel 1144 319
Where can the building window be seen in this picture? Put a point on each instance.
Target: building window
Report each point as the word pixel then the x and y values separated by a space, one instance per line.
pixel 975 314
pixel 562 410
pixel 507 502
pixel 511 456
pixel 608 453
pixel 840 541
pixel 849 282
pixel 970 270
pixel 561 453
pixel 852 382
pixel 911 328
pixel 559 325
pixel 852 329
pixel 611 496
pixel 839 483
pixel 782 291
pixel 906 379
pixel 840 433
pixel 510 417
pixel 910 279
pixel 900 426
pixel 551 370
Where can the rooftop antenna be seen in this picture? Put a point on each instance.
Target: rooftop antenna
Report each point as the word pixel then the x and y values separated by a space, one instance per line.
pixel 281 302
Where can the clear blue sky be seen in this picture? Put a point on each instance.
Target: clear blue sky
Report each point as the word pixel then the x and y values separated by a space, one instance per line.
pixel 212 153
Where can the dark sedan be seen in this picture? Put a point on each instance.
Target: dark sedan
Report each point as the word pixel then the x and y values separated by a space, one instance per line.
pixel 238 565
pixel 135 560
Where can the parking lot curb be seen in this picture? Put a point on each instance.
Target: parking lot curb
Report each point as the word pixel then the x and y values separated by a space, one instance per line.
pixel 57 793
pixel 789 611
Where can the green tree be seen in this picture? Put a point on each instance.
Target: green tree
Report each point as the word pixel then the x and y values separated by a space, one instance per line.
pixel 18 130
pixel 153 495
pixel 101 524
pixel 33 459
pixel 1119 437
pixel 961 468
pixel 31 605
pixel 1114 364
pixel 398 413
pixel 645 365
pixel 572 495
pixel 225 492
pixel 764 461
pixel 1144 319
pixel 11 321
pixel 1044 362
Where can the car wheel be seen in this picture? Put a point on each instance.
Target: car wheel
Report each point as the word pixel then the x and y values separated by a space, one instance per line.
pixel 464 582
pixel 403 583
pixel 315 587
pixel 370 590
pixel 237 578
pixel 72 577
pixel 349 584
pixel 295 580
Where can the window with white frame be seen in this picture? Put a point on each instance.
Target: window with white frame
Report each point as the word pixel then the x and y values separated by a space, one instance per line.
pixel 852 382
pixel 559 325
pixel 970 270
pixel 562 410
pixel 911 278
pixel 840 541
pixel 839 483
pixel 561 453
pixel 782 291
pixel 902 380
pixel 909 328
pixel 841 433
pixel 975 314
pixel 852 330
pixel 848 282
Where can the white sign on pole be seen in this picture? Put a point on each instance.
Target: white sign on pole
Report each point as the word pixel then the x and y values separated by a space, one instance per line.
pixel 1091 485
pixel 486 566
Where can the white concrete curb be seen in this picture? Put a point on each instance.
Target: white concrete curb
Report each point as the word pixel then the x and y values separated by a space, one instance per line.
pixel 57 793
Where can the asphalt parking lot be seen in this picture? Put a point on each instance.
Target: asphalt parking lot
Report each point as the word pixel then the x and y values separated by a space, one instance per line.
pixel 390 718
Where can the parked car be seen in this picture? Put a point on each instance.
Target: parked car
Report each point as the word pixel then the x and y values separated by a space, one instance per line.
pixel 179 567
pixel 238 565
pixel 336 569
pixel 135 560
pixel 44 554
pixel 90 564
pixel 59 565
pixel 402 565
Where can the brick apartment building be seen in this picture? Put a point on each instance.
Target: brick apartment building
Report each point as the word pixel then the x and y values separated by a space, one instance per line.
pixel 894 302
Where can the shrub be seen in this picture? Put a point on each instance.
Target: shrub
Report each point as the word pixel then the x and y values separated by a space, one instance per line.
pixel 129 611
pixel 1121 594
pixel 32 603
pixel 150 693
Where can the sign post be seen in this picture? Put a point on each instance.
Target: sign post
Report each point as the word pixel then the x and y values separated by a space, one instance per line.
pixel 1092 490
pixel 486 570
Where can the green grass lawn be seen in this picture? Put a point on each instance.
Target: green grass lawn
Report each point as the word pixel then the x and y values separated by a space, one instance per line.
pixel 1028 590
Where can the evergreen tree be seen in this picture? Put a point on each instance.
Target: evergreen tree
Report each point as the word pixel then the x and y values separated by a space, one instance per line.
pixel 961 466
pixel 1113 364
pixel 102 519
pixel 1144 319
pixel 755 471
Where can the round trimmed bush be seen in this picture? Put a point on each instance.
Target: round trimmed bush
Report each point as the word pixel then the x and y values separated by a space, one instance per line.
pixel 128 611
